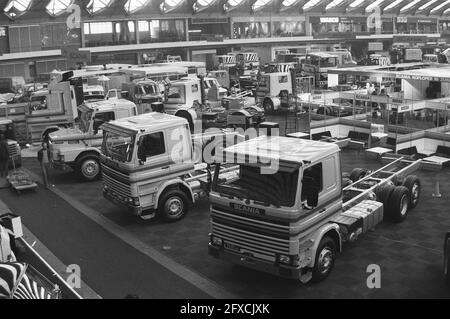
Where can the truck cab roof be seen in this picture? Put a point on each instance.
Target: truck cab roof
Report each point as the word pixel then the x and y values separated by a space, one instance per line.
pixel 186 80
pixel 324 54
pixel 291 152
pixel 149 122
pixel 274 74
pixel 105 105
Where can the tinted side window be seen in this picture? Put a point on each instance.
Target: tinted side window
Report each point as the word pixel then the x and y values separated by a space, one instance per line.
pixel 152 145
pixel 312 178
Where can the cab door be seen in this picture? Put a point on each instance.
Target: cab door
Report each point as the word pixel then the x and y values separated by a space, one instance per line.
pixel 153 155
pixel 323 176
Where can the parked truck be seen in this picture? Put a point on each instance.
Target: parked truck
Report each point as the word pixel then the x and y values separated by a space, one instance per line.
pixel 79 148
pixel 187 98
pixel 274 89
pixel 151 164
pixel 292 219
pixel 65 94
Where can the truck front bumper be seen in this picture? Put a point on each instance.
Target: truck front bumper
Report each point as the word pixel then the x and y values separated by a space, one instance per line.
pixel 133 210
pixel 285 271
pixel 60 165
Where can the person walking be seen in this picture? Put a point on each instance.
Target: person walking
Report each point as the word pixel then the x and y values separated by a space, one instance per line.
pixel 43 160
pixel 4 156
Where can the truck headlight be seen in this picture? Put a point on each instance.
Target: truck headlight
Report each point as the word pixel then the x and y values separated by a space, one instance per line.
pixel 216 241
pixel 133 201
pixel 287 259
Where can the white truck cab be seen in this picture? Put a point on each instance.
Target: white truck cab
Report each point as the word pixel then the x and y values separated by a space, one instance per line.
pixel 222 76
pixel 143 91
pixel 149 165
pixel 181 98
pixel 209 82
pixel 273 89
pixel 93 93
pixel 79 148
pixel 288 212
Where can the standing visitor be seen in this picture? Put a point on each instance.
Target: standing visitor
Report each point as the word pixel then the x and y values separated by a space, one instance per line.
pixel 4 156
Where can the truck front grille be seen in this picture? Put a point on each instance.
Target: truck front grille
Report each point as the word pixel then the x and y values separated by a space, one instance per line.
pixel 115 186
pixel 263 238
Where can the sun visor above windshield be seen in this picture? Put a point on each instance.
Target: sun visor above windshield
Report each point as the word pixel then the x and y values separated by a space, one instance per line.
pixel 288 152
pixel 118 129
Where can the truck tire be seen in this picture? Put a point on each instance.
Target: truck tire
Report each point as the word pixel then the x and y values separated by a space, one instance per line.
pixel 173 206
pixel 346 182
pixel 268 106
pixel 447 261
pixel 88 167
pixel 325 258
pixel 357 174
pixel 398 204
pixel 383 193
pixel 412 183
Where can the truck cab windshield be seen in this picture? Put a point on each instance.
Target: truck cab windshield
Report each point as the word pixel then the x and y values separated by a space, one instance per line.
pixel 279 189
pixel 118 146
pixel 176 95
pixel 148 89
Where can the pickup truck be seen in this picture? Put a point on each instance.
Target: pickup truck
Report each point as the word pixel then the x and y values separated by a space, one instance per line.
pixel 79 148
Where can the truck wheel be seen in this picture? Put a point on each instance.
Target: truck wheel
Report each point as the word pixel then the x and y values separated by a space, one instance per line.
pixel 398 204
pixel 383 193
pixel 88 167
pixel 346 182
pixel 325 257
pixel 173 206
pixel 345 175
pixel 268 106
pixel 412 183
pixel 447 261
pixel 357 174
